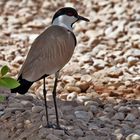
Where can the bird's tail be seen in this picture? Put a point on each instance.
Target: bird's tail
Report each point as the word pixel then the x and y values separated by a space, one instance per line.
pixel 24 86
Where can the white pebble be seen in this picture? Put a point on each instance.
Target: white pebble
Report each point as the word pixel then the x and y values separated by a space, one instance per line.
pixel 133 137
pixel 72 96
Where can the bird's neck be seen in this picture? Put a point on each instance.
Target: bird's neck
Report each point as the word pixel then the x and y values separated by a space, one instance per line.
pixel 63 22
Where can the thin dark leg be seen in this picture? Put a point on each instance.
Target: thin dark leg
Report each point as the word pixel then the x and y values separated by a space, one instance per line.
pixel 46 106
pixel 55 105
pixel 54 98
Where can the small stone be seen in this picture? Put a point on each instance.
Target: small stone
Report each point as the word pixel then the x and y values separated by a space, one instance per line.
pixel 130 117
pixel 83 115
pixel 89 137
pixel 15 105
pixel 42 133
pixel 93 126
pixel 98 48
pixel 136 101
pixel 37 109
pixel 2 107
pixel 37 23
pixel 82 99
pixel 1 113
pixel 18 59
pixel 93 109
pixel 119 136
pixel 20 119
pixel 19 125
pixel 32 37
pixel 115 73
pixel 89 103
pixel 119 116
pixel 105 94
pixel 63 96
pixel 90 33
pixel 115 122
pixel 128 83
pixel 24 97
pixel 104 119
pixel 68 79
pixel 137 126
pixel 111 99
pixel 86 78
pixel 80 107
pixel 44 122
pixel 70 117
pixel 86 59
pixel 99 63
pixel 137 131
pixel 59 132
pixel 52 137
pixel 126 128
pixel 72 96
pixel 132 52
pixel 73 67
pixel 26 103
pixel 27 122
pixel 83 85
pixel 71 88
pixel 135 37
pixel 109 109
pixel 120 60
pixel 6 115
pixel 121 87
pixel 114 93
pixel 124 109
pixel 12 110
pixel 132 60
pixel 136 91
pixel 78 132
pixel 133 137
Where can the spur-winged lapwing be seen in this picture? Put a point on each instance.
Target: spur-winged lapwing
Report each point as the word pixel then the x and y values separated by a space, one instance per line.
pixel 50 51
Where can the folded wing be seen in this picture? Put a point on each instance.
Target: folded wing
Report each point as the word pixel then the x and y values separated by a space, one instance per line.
pixel 49 53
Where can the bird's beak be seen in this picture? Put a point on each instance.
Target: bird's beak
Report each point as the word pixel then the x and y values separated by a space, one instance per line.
pixel 83 18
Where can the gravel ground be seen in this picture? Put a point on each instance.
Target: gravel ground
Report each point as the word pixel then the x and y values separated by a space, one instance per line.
pixel 98 90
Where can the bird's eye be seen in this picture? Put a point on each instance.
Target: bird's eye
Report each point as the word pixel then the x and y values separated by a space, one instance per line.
pixel 70 14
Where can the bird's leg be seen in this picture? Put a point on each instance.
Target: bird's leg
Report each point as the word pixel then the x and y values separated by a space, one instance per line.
pixel 46 106
pixel 55 105
pixel 54 98
pixel 50 125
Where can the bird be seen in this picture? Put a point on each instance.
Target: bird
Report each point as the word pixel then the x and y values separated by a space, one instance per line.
pixel 48 54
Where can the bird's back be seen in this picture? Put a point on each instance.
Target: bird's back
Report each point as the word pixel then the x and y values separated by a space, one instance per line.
pixel 49 53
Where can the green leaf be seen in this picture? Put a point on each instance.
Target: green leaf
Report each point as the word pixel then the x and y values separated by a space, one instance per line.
pixel 4 70
pixel 2 98
pixel 8 82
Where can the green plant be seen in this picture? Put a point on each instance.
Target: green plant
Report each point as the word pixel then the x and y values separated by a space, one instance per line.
pixel 2 98
pixel 5 80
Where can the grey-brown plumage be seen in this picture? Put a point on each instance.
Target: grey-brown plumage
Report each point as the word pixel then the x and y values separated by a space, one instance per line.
pixel 50 51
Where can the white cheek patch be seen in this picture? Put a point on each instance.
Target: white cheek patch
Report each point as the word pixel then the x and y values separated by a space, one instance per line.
pixel 65 21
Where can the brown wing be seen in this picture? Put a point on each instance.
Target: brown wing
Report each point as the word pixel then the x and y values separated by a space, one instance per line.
pixel 49 53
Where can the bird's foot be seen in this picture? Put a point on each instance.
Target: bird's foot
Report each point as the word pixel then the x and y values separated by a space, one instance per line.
pixel 62 128
pixel 50 125
pixel 58 127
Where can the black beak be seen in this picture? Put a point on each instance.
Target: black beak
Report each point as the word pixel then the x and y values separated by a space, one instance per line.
pixel 83 18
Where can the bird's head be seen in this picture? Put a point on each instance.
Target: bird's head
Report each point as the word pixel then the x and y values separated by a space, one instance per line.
pixel 66 17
